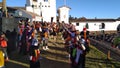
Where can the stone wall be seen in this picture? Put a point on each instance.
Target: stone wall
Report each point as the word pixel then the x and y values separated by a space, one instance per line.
pixel 105 47
pixel 10 27
pixel 9 24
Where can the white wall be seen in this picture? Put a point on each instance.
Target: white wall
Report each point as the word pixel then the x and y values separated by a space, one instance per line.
pixel 36 11
pixel 29 8
pixel 95 26
pixel 64 14
pixel 47 12
pixel 53 10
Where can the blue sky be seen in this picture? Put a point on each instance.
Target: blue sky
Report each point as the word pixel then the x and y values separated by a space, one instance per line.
pixel 84 8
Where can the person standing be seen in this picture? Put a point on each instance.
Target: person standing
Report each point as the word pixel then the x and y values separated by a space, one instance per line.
pixel 3 45
pixel 85 41
pixel 34 53
pixel 45 38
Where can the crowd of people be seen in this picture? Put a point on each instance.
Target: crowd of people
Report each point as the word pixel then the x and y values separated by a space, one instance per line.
pixel 32 36
pixel 77 45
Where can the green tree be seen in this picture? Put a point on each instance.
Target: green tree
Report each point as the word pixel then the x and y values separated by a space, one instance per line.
pixel 116 41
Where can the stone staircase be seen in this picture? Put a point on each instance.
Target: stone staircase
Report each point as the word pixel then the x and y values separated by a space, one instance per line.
pixel 56 56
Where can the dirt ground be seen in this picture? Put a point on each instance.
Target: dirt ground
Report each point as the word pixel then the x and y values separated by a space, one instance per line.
pixel 55 57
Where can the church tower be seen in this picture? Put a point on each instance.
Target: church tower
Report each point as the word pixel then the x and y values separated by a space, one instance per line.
pixel 53 10
pixel 44 8
pixel 63 13
pixel 48 10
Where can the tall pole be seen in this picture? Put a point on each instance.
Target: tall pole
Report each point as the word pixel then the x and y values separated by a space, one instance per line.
pixel 4 8
pixel 65 2
pixel 65 11
pixel 41 11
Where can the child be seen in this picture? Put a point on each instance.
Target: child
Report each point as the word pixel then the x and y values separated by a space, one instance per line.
pixel 3 45
pixel 34 54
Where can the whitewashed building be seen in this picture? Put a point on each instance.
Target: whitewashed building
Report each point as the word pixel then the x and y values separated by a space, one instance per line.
pixel 46 9
pixel 63 13
pixel 96 24
pixel 41 10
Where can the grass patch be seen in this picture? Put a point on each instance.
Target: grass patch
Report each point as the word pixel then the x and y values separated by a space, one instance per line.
pixel 97 59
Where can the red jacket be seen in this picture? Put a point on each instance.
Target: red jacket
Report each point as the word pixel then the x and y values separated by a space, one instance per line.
pixel 3 42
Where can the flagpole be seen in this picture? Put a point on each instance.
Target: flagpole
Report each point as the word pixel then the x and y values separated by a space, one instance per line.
pixel 41 11
pixel 65 2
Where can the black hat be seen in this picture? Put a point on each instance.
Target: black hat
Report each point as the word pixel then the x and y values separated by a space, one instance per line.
pixel 1 33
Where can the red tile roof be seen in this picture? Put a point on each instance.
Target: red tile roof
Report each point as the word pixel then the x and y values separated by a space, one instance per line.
pixel 92 20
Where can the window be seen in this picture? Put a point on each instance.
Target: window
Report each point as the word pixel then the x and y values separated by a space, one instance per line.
pixel 45 0
pixel 52 19
pixel 118 28
pixel 49 6
pixel 35 0
pixel 102 26
pixel 77 24
pixel 33 6
pixel 95 24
